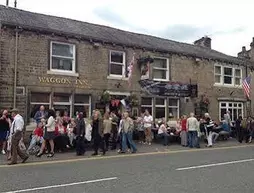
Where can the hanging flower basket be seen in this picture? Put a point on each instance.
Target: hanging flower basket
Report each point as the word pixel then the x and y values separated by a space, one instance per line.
pixel 133 100
pixel 144 60
pixel 105 97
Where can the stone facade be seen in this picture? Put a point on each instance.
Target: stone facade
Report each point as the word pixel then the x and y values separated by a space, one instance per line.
pixel 92 68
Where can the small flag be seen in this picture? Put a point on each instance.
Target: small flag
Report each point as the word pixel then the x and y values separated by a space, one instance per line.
pixel 123 102
pixel 246 86
pixel 130 69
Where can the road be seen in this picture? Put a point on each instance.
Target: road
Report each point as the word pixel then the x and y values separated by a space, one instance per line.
pixel 222 170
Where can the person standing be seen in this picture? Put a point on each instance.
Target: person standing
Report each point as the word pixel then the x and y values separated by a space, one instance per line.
pixel 107 127
pixel 192 127
pixel 80 135
pixel 239 129
pixel 41 114
pixel 97 133
pixel 127 131
pixel 183 134
pixel 16 130
pixel 209 125
pixel 5 124
pixel 49 133
pixel 163 133
pixel 148 121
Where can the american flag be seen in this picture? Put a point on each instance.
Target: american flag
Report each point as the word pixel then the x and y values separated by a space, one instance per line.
pixel 246 86
pixel 130 69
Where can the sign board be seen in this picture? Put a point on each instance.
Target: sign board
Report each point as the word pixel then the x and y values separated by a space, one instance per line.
pixel 168 89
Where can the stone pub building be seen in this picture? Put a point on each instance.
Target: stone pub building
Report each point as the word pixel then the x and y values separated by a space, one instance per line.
pixel 78 66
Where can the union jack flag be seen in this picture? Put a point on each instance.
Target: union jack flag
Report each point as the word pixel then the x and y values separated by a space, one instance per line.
pixel 246 86
pixel 130 69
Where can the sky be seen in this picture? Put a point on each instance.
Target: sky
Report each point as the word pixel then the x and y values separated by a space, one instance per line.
pixel 227 23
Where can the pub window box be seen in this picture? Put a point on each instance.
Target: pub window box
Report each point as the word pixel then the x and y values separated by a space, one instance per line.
pixel 160 69
pixel 62 59
pixel 117 64
pixel 227 76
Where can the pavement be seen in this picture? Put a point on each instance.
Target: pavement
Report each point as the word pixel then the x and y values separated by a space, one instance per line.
pixel 225 168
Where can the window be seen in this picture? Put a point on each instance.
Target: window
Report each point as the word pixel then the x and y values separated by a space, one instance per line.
pixel 173 107
pixel 117 65
pixel 227 75
pixel 38 99
pixel 62 57
pixel 147 103
pixel 82 103
pixel 62 102
pixel 236 109
pixel 160 108
pixel 160 69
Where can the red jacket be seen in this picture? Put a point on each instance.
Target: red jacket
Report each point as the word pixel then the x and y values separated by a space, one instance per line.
pixel 38 131
pixel 184 124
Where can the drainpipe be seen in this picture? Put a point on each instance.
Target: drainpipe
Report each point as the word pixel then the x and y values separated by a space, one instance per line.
pixel 15 69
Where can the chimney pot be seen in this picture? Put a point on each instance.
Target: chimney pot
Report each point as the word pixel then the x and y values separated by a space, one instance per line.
pixel 243 49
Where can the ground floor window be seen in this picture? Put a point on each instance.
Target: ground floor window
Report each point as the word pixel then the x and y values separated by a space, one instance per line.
pixel 173 107
pixel 82 103
pixel 160 107
pixel 60 102
pixel 236 109
pixel 38 99
pixel 147 104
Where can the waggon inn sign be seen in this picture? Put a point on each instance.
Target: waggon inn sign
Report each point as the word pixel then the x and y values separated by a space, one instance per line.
pixel 80 83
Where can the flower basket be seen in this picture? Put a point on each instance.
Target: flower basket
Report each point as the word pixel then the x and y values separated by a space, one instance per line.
pixel 105 97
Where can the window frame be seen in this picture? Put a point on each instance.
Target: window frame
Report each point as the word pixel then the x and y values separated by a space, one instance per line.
pixel 64 103
pixel 73 71
pixel 222 76
pixel 232 107
pixel 148 106
pixel 84 104
pixel 165 69
pixel 160 106
pixel 116 63
pixel 175 107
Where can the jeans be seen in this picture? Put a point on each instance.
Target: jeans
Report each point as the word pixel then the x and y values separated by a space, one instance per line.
pixel 128 137
pixel 34 141
pixel 165 137
pixel 192 138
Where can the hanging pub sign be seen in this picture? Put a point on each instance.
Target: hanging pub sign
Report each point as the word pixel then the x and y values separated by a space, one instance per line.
pixel 169 89
pixel 144 64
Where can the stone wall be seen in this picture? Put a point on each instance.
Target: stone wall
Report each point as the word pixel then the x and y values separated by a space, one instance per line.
pixel 92 66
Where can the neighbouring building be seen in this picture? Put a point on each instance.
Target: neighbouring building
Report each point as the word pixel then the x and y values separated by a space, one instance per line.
pixel 78 66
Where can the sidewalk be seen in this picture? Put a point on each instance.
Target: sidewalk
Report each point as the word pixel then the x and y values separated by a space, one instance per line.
pixel 141 149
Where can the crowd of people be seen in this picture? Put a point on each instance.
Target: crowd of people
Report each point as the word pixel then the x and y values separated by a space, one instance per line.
pixel 57 131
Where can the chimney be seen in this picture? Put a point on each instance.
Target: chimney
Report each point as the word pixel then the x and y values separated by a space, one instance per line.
pixel 252 43
pixel 244 53
pixel 7 3
pixel 204 42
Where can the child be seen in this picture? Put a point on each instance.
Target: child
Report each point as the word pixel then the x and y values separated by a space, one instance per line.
pixel 37 136
pixel 70 128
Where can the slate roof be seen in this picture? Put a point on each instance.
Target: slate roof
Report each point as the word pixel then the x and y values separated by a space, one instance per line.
pixel 36 21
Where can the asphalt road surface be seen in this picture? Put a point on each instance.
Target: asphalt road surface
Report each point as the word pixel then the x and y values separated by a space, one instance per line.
pixel 223 170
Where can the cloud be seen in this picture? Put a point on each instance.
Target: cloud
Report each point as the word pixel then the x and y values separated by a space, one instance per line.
pixel 182 32
pixel 110 16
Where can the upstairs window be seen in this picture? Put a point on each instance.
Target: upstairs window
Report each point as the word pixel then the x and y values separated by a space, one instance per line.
pixel 224 75
pixel 160 68
pixel 117 64
pixel 62 57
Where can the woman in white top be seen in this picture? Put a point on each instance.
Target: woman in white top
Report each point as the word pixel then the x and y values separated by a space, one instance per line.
pixel 148 121
pixel 49 133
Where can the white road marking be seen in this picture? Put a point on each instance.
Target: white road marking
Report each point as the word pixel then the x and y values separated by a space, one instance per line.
pixel 215 164
pixel 61 185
